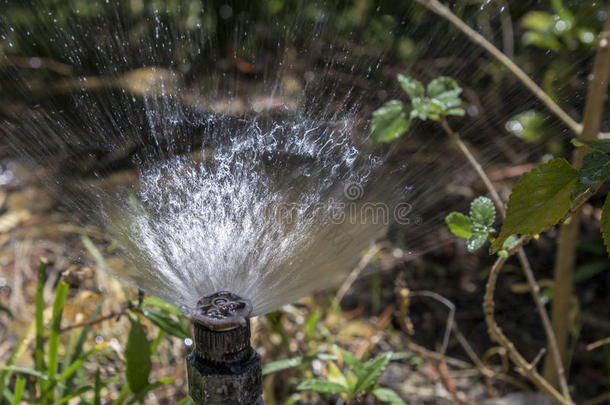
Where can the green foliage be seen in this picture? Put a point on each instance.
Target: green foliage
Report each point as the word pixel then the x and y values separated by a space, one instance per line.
pixel 390 121
pixel 359 377
pixel 440 99
pixel 539 200
pixel 600 145
pixel 595 168
pixel 137 356
pixel 477 227
pixel 388 396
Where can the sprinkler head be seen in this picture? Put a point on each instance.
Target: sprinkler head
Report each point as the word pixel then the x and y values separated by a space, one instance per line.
pixel 223 368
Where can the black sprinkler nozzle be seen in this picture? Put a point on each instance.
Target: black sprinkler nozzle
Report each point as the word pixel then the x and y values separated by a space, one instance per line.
pixel 223 368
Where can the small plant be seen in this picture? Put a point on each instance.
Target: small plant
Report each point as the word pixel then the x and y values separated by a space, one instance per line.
pixel 440 99
pixel 358 379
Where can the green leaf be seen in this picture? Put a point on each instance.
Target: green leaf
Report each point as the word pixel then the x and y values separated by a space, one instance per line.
pixel 390 121
pixel 372 370
pixel 137 355
pixel 476 240
pixel 539 199
pixel 55 332
pixel 411 86
pixel 281 365
pixel 389 396
pixel 322 386
pixel 459 224
pixel 421 108
pixel 19 385
pixel 97 399
pixel 443 87
pixel 595 168
pixel 355 365
pixel 600 145
pixel 459 112
pixel 539 21
pixel 165 322
pixel 605 223
pixel 150 301
pixel 528 125
pixel 509 243
pixel 483 212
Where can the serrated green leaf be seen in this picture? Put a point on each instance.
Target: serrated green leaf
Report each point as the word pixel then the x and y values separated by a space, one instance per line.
pixel 459 224
pixel 605 223
pixel 322 386
pixel 476 240
pixel 390 121
pixel 483 211
pixel 411 86
pixel 539 199
pixel 372 370
pixel 443 87
pixel 389 396
pixel 595 168
pixel 600 145
pixel 421 108
pixel 137 355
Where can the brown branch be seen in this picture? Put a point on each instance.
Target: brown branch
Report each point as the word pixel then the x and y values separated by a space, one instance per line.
pixel 568 238
pixel 95 321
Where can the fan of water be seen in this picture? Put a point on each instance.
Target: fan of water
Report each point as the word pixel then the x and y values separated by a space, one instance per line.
pixel 248 132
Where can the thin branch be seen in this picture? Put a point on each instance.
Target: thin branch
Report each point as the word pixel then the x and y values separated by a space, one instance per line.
pixel 525 368
pixel 450 317
pixel 347 284
pixel 436 7
pixel 95 321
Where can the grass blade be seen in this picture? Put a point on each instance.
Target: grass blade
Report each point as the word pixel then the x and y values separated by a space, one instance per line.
pixel 19 385
pixel 39 350
pixel 54 334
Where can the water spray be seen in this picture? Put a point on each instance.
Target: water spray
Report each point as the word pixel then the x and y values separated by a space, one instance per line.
pixel 223 368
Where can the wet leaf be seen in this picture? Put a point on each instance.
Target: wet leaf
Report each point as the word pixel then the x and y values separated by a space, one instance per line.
pixel 528 125
pixel 390 121
pixel 539 200
pixel 595 168
pixel 443 87
pixel 322 386
pixel 539 21
pixel 389 396
pixel 483 211
pixel 476 240
pixel 372 370
pixel 605 223
pixel 411 86
pixel 355 365
pixel 137 355
pixel 459 224
pixel 421 108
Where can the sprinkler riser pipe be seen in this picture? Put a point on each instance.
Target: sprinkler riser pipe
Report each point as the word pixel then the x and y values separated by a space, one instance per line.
pixel 223 368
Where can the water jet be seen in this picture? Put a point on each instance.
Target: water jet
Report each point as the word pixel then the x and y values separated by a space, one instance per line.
pixel 223 368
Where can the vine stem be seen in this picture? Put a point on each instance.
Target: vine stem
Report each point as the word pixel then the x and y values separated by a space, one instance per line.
pixel 565 258
pixel 525 264
pixel 525 367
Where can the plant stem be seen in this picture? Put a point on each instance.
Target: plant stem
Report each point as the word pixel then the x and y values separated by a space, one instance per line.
pixel 568 238
pixel 525 264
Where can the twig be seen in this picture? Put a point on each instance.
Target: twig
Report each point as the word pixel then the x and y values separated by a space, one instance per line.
pixel 347 284
pixel 92 322
pixel 598 344
pixel 450 317
pixel 436 7
pixel 525 264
